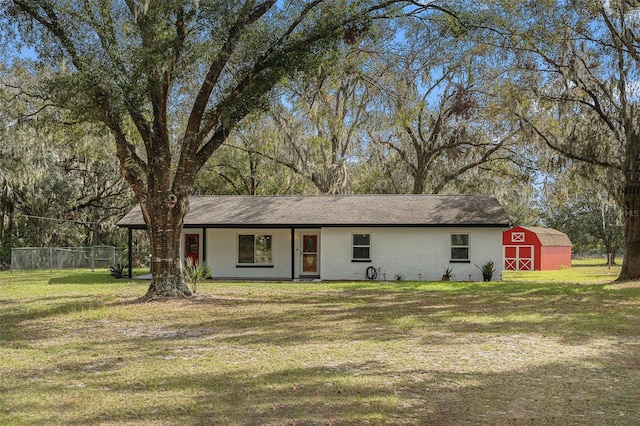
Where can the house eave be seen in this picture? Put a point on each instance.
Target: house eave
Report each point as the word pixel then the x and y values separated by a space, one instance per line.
pixel 344 211
pixel 326 225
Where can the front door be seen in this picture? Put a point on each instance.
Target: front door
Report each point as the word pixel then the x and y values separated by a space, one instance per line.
pixel 192 248
pixel 310 255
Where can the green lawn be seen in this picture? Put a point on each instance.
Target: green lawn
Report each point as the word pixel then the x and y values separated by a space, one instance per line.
pixel 557 348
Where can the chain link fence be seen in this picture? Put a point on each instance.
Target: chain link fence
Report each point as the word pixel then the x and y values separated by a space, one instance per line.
pixel 100 257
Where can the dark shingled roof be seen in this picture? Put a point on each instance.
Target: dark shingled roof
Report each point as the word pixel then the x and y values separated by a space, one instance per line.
pixel 550 237
pixel 338 210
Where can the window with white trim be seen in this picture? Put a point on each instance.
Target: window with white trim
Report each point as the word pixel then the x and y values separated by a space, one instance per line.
pixel 361 247
pixel 459 247
pixel 517 237
pixel 255 249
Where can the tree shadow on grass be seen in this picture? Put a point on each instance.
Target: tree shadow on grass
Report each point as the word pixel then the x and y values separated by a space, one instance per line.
pixel 314 395
pixel 369 388
pixel 14 318
pixel 86 278
pixel 389 315
pixel 583 391
pixel 382 317
pixel 594 390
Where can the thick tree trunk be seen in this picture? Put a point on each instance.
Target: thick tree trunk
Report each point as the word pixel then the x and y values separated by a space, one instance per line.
pixel 165 227
pixel 418 185
pixel 419 177
pixel 631 261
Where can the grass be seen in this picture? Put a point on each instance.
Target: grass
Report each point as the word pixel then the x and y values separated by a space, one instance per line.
pixel 540 348
pixel 582 272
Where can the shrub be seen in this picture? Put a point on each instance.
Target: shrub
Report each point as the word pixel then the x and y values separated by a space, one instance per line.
pixel 119 271
pixel 195 271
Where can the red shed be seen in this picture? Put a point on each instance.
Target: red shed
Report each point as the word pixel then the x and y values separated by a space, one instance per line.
pixel 535 249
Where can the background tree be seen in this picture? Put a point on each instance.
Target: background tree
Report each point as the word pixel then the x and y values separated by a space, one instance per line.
pixel 51 196
pixel 575 67
pixel 590 218
pixel 60 182
pixel 321 120
pixel 437 117
pixel 241 166
pixel 134 62
pixel 316 124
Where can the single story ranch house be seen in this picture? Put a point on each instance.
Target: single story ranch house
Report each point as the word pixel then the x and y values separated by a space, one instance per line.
pixel 342 237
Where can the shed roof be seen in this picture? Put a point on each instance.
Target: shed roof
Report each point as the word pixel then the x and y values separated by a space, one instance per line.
pixel 338 210
pixel 549 236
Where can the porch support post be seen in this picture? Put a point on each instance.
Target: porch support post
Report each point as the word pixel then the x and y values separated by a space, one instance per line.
pixel 293 254
pixel 130 252
pixel 204 245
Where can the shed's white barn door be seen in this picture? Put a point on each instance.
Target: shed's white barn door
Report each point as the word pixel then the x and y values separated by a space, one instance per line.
pixel 518 258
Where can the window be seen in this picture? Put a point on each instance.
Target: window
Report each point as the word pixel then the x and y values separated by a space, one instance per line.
pixel 459 247
pixel 517 237
pixel 361 247
pixel 255 250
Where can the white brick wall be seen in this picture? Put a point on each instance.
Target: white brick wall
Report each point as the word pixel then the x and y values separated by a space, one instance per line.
pixel 415 253
pixel 412 252
pixel 222 254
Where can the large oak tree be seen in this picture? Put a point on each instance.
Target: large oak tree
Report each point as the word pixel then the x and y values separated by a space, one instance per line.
pixel 132 64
